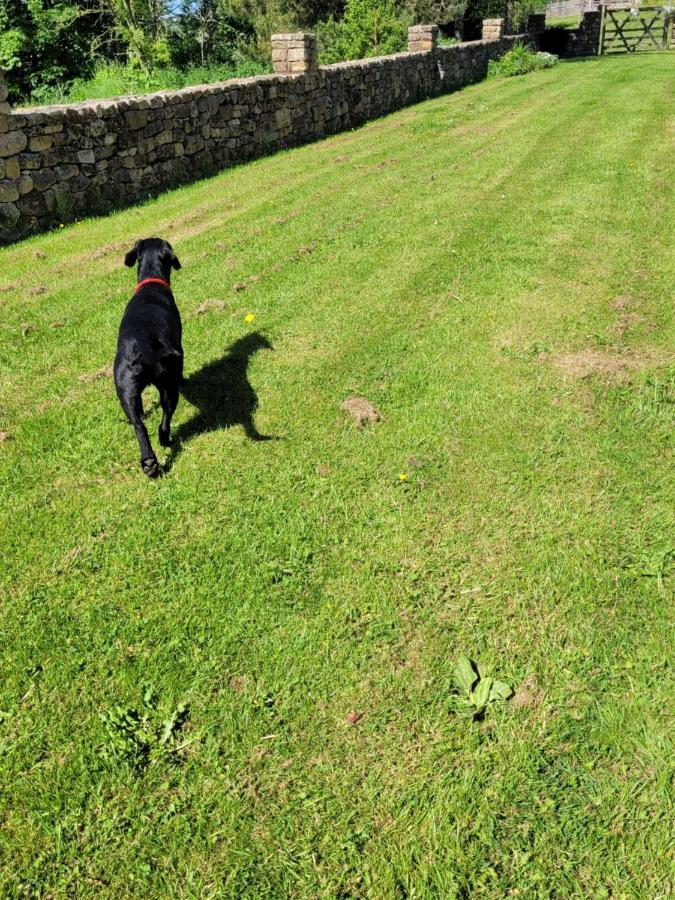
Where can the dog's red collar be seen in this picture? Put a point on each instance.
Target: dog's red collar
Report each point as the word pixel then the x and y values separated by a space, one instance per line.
pixel 151 281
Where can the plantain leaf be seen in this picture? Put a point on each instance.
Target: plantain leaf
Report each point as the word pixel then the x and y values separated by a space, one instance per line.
pixel 465 675
pixel 500 690
pixel 480 696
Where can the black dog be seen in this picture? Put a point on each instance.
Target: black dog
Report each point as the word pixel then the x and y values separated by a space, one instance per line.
pixel 149 347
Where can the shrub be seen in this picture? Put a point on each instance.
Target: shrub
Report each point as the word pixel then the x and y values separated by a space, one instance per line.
pixel 369 28
pixel 520 60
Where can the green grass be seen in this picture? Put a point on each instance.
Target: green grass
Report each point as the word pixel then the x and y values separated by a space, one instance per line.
pixel 460 264
pixel 565 21
pixel 116 80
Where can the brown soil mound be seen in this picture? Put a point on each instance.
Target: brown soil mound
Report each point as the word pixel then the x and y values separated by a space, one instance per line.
pixel 361 411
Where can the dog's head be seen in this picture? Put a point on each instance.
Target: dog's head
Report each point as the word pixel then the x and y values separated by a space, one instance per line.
pixel 154 257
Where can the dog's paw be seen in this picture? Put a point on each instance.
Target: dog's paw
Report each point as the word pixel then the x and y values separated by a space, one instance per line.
pixel 150 467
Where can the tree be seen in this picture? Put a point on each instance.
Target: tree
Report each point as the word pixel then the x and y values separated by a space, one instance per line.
pixel 48 42
pixel 142 26
pixel 369 28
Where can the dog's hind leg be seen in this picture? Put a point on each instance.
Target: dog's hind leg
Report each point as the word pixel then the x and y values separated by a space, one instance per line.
pixel 132 404
pixel 168 396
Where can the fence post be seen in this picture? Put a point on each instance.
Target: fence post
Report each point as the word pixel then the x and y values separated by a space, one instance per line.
pixel 293 53
pixel 493 29
pixel 422 38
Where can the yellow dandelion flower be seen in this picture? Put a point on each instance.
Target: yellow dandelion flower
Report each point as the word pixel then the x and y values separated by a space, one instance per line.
pixel 402 476
pixel 249 317
pixel 61 225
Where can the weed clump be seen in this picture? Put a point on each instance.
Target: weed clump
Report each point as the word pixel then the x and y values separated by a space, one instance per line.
pixel 520 60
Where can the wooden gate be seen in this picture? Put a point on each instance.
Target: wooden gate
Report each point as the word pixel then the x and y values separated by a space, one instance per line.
pixel 627 29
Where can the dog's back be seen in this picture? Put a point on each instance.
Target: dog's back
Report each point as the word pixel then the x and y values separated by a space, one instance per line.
pixel 150 336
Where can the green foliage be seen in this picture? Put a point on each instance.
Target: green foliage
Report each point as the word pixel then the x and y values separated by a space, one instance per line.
pixel 473 692
pixel 117 80
pixel 369 28
pixel 140 738
pixel 436 11
pixel 520 60
pixel 44 42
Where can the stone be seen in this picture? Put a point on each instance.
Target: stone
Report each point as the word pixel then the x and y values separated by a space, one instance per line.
pixel 136 118
pixel 86 156
pixel 65 172
pixel 43 179
pixel 9 190
pixel 39 142
pixel 12 143
pixel 25 185
pixel 33 204
pixel 12 167
pixel 9 215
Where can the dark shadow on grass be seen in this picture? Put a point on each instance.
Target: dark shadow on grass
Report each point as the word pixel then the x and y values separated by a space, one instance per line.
pixel 223 395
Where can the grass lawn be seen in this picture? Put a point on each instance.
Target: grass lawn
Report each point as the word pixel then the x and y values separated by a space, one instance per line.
pixel 566 21
pixel 236 681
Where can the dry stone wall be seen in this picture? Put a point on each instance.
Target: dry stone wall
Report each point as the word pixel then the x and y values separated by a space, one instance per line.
pixel 584 40
pixel 61 161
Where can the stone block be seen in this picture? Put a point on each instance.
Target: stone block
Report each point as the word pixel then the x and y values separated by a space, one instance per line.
pixel 39 142
pixel 13 167
pixel 12 143
pixel 86 157
pixel 9 215
pixel 9 190
pixel 136 118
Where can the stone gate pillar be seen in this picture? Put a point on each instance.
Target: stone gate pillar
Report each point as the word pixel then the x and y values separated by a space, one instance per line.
pixel 493 29
pixel 294 53
pixel 422 38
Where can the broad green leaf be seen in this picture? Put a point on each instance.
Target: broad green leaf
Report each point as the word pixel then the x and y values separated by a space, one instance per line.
pixel 480 695
pixel 500 690
pixel 465 675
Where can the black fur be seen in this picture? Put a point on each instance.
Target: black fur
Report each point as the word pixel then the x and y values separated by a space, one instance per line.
pixel 149 349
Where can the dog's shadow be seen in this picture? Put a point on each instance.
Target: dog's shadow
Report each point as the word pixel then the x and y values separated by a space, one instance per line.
pixel 223 395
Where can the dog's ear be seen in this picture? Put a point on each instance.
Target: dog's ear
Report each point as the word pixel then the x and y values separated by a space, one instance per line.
pixel 132 256
pixel 175 262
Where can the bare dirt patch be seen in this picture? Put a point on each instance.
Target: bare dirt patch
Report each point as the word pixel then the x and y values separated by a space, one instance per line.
pixel 612 367
pixel 88 377
pixel 238 683
pixel 212 303
pixel 5 436
pixel 621 303
pixel 361 410
pixel 110 248
pixel 625 321
pixel 529 694
pixel 36 290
